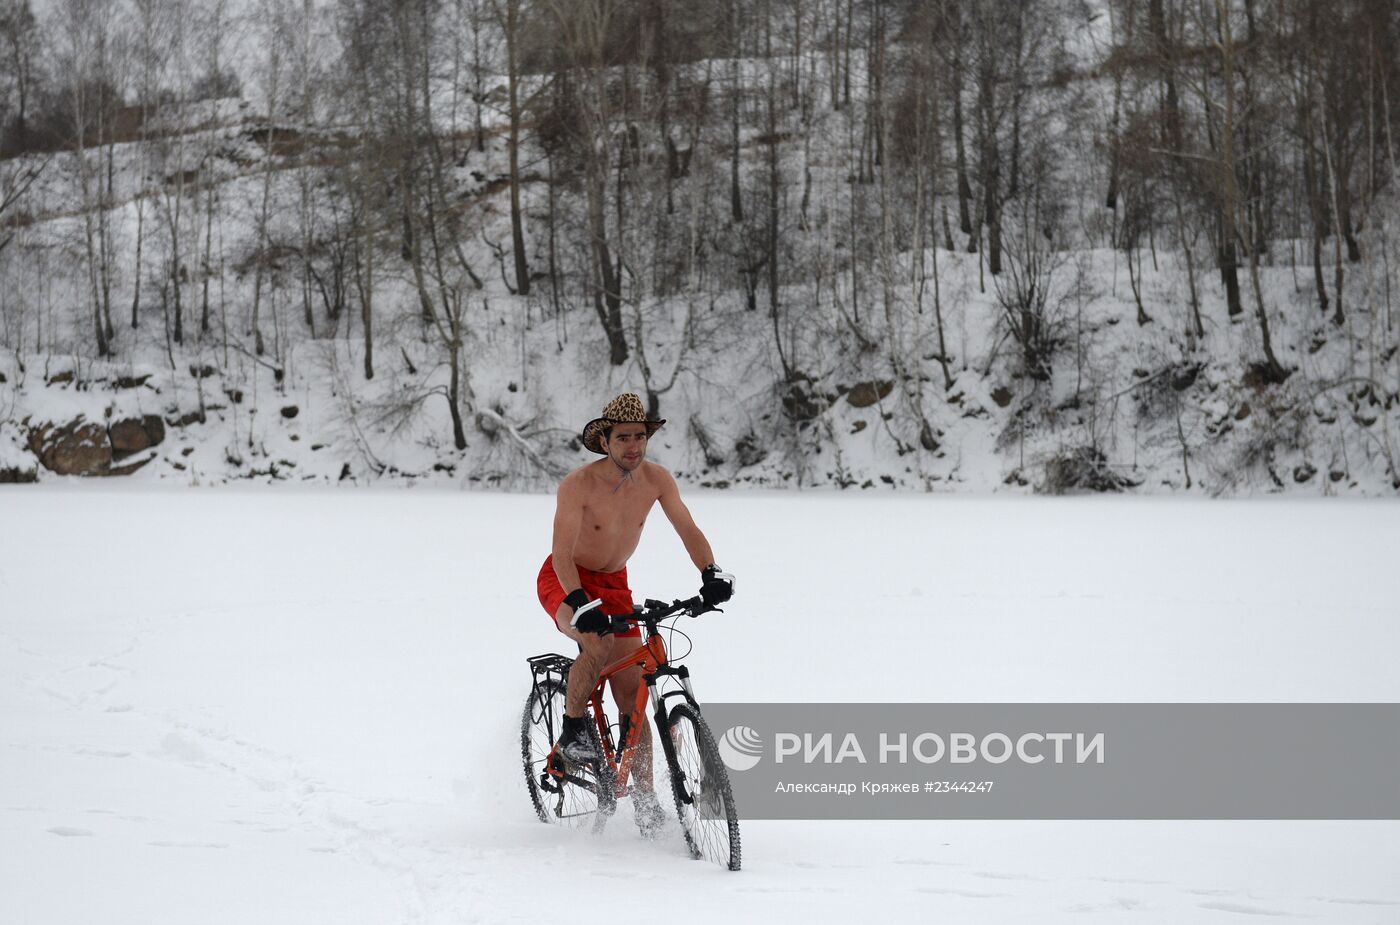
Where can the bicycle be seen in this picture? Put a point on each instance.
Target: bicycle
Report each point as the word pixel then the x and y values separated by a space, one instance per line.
pixel 580 795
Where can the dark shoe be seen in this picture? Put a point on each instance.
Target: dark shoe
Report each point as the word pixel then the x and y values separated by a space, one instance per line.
pixel 575 744
pixel 651 818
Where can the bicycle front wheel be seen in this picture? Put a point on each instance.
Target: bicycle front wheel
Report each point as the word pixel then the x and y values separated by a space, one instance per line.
pixel 700 783
pixel 579 796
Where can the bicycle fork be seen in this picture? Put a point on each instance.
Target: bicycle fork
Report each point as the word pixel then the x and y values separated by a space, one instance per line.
pixel 663 730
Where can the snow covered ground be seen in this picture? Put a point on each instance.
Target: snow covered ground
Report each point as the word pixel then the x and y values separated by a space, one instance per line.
pixel 246 705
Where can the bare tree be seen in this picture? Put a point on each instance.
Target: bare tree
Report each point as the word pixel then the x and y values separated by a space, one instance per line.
pixel 271 88
pixel 1231 199
pixel 19 45
pixel 432 218
pixel 90 61
pixel 509 20
pixel 1012 47
pixel 152 17
pixel 583 29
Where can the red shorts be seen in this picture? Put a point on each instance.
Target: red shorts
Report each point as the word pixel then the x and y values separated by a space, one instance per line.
pixel 610 587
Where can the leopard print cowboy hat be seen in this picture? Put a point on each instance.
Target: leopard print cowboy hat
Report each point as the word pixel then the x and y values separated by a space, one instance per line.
pixel 624 409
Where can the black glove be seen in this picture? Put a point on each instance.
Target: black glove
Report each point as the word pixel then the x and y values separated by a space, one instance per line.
pixel 716 587
pixel 588 615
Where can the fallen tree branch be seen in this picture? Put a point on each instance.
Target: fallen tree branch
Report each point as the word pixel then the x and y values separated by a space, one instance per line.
pixel 493 425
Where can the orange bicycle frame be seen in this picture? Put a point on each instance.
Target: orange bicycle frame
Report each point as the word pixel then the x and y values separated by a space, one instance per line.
pixel 651 656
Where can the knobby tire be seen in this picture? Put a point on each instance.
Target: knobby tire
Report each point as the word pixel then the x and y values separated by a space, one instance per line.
pixel 588 797
pixel 700 784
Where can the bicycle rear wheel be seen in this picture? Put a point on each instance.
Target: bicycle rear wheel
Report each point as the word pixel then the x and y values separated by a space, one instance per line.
pixel 579 796
pixel 700 783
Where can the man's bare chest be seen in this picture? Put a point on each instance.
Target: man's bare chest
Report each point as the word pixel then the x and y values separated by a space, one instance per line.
pixel 619 511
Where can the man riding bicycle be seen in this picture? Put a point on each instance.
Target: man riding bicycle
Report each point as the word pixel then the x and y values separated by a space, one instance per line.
pixel 598 521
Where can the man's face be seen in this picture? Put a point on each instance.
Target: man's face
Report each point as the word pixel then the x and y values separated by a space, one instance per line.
pixel 627 446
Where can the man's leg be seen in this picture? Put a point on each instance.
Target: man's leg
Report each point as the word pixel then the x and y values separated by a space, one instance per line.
pixel 587 667
pixel 625 685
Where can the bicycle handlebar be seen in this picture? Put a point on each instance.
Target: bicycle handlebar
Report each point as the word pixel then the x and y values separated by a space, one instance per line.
pixel 655 611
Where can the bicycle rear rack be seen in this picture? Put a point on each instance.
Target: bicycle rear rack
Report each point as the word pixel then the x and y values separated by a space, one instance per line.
pixel 545 668
pixel 551 665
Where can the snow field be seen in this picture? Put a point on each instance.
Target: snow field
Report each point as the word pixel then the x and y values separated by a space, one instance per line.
pixel 297 706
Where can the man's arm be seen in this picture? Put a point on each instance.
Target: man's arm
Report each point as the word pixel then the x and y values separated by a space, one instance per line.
pixel 568 521
pixel 695 543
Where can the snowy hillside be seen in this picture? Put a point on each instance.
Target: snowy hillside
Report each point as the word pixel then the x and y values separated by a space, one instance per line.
pixel 1140 413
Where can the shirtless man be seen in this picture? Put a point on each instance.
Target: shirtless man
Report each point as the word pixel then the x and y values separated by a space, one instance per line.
pixel 598 522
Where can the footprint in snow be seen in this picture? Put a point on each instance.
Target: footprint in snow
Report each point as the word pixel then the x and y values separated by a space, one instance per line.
pixel 951 891
pixel 1117 904
pixel 1356 902
pixel 175 746
pixel 1243 909
pixel 997 875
